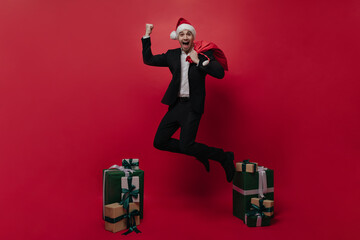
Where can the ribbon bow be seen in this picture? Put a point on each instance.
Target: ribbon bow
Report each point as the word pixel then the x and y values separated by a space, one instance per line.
pixel 128 163
pixel 255 211
pixel 129 193
pixel 261 208
pixel 131 223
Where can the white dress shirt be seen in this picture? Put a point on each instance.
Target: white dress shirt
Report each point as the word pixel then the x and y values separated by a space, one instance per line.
pixel 184 80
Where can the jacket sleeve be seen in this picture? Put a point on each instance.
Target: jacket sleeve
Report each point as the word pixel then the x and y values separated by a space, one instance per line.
pixel 214 68
pixel 159 60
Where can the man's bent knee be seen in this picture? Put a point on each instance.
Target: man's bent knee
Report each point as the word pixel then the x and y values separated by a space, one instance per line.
pixel 158 144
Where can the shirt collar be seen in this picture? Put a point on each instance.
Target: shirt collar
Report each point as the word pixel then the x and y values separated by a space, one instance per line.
pixel 182 52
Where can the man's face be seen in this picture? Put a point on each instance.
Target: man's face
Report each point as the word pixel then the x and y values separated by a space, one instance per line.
pixel 186 40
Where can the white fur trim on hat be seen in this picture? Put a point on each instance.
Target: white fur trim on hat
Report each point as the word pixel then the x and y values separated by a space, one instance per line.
pixel 174 35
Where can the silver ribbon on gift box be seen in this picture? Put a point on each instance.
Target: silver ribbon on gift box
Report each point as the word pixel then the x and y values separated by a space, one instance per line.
pixel 113 168
pixel 258 219
pixel 262 189
pixel 262 181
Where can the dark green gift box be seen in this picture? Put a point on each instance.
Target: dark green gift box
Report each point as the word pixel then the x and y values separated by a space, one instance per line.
pixel 245 187
pixel 252 220
pixel 112 186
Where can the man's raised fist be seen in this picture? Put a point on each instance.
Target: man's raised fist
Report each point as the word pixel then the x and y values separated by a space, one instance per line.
pixel 149 28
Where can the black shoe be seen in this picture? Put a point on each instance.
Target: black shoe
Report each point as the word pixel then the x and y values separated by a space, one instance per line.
pixel 228 165
pixel 205 162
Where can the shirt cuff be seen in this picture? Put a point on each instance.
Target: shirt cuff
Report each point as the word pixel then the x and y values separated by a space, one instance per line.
pixel 144 37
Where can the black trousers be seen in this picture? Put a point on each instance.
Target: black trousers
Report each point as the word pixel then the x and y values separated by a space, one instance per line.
pixel 182 116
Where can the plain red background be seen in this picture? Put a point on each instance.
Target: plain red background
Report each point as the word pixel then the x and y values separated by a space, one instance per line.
pixel 75 98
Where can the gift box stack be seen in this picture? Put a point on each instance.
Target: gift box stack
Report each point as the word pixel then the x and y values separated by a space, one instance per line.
pixel 123 196
pixel 253 194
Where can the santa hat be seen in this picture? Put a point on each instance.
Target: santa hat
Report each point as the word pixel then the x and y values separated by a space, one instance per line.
pixel 181 25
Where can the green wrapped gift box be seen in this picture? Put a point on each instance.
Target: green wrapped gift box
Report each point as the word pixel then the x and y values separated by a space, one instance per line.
pixel 257 221
pixel 246 186
pixel 112 185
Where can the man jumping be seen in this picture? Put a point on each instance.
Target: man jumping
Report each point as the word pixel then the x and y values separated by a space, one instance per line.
pixel 186 96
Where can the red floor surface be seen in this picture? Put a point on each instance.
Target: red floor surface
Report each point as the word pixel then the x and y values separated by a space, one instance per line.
pixel 71 209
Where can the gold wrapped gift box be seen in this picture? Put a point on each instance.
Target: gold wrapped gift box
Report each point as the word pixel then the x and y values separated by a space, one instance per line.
pixel 116 210
pixel 249 167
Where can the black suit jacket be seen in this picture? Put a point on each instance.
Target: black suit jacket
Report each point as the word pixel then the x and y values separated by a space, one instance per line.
pixel 171 59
